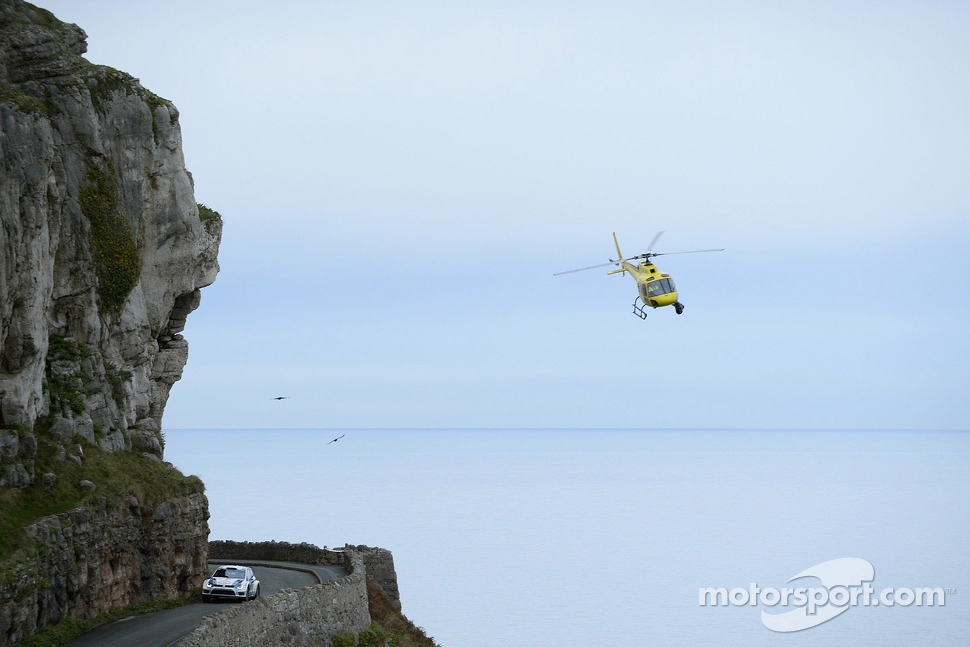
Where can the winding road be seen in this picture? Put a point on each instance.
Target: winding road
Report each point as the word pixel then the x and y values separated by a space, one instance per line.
pixel 167 628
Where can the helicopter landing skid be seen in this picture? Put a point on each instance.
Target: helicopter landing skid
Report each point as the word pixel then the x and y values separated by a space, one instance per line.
pixel 638 308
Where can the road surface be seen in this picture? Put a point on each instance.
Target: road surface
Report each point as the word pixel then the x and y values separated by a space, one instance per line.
pixel 166 628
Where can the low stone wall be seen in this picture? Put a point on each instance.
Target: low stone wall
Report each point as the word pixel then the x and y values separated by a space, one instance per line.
pixel 280 551
pixel 306 617
pixel 378 562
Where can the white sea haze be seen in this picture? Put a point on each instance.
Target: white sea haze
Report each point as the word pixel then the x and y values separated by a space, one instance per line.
pixel 522 537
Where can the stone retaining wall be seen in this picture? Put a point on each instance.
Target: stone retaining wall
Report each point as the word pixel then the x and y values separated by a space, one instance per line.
pixel 306 617
pixel 90 561
pixel 378 562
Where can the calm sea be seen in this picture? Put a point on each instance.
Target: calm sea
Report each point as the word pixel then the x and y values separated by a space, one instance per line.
pixel 605 537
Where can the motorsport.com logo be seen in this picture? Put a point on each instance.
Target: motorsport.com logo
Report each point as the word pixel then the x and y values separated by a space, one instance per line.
pixel 845 583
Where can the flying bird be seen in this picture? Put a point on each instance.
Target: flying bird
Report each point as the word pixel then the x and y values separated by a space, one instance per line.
pixel 337 438
pixel 281 397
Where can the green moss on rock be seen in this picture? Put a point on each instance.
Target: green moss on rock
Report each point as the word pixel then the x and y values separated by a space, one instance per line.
pixel 208 216
pixel 117 260
pixel 65 380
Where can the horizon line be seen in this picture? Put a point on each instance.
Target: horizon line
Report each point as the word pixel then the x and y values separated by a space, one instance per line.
pixel 542 428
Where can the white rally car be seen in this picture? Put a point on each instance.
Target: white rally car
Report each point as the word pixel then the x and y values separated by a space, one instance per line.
pixel 231 583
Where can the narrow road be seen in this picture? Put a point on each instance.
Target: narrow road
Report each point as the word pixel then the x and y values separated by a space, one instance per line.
pixel 166 628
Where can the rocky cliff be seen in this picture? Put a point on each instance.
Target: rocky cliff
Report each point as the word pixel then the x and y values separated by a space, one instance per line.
pixel 103 246
pixel 103 251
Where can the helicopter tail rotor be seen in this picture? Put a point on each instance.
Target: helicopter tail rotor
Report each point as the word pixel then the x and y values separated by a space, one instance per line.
pixel 619 255
pixel 616 241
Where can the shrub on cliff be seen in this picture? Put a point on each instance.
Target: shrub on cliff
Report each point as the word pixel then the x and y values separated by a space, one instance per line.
pixel 389 626
pixel 208 216
pixel 113 246
pixel 400 631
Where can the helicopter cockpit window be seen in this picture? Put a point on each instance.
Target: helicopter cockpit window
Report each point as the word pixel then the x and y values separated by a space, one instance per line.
pixel 661 286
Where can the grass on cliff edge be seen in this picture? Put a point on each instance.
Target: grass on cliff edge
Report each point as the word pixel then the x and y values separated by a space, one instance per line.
pixel 116 476
pixel 388 626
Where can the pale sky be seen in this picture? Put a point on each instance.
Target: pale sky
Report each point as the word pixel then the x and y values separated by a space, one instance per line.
pixel 400 181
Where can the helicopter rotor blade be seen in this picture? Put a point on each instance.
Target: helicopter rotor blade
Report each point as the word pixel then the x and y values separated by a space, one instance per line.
pixel 593 267
pixel 645 256
pixel 583 269
pixel 692 251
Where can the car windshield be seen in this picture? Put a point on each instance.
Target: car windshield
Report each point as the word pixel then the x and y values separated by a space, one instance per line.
pixel 232 573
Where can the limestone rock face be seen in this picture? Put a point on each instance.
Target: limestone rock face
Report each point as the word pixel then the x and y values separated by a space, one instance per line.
pixel 103 252
pixel 102 248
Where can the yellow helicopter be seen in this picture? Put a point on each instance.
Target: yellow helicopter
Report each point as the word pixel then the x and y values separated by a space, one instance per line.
pixel 655 288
